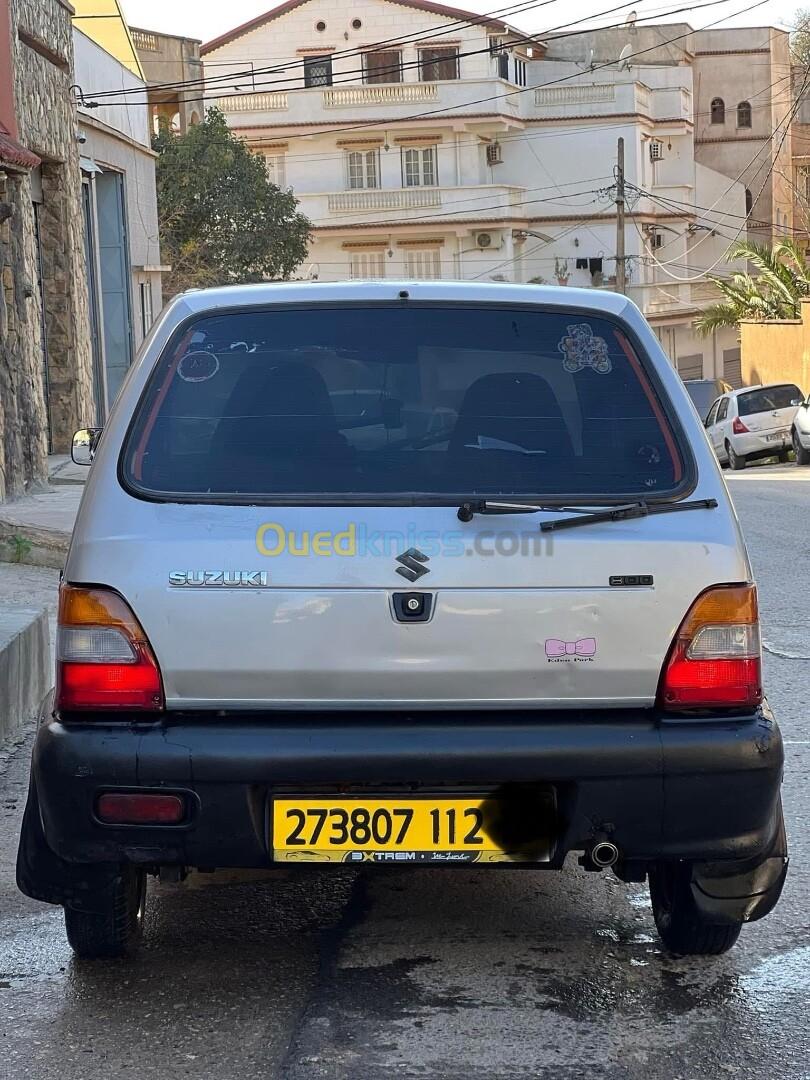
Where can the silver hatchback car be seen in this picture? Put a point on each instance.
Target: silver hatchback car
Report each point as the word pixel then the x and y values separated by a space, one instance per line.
pixel 422 574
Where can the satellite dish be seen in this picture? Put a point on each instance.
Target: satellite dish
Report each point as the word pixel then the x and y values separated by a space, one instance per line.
pixel 624 57
pixel 631 19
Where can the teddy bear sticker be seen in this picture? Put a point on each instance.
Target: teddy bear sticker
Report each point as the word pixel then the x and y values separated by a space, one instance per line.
pixel 581 349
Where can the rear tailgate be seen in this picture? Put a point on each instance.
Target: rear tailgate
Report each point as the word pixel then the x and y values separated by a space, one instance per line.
pixel 768 410
pixel 520 618
pixel 262 428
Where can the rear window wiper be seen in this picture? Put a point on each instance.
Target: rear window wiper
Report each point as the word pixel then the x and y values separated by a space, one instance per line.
pixel 468 510
pixel 582 516
pixel 625 513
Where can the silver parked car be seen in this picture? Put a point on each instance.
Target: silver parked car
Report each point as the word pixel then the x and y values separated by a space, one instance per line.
pixel 417 574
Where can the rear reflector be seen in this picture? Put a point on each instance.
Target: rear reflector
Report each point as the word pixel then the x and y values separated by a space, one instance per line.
pixel 104 660
pixel 119 808
pixel 714 660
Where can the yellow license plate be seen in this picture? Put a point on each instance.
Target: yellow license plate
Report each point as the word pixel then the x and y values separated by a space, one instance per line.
pixel 411 830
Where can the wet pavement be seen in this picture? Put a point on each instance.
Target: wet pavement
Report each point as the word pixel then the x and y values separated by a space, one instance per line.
pixel 448 974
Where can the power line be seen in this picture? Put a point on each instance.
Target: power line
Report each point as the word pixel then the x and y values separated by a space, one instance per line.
pixel 416 35
pixel 532 38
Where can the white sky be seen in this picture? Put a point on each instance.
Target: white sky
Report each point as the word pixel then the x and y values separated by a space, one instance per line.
pixel 206 19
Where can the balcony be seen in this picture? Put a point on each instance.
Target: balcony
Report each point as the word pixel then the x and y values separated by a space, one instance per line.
pixel 345 97
pixel 397 206
pixel 359 101
pixel 242 103
pixel 348 202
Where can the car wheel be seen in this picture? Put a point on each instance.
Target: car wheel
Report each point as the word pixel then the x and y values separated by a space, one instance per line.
pixel 681 925
pixel 802 455
pixel 736 461
pixel 114 926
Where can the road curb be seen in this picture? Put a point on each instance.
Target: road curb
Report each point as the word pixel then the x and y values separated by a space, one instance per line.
pixel 25 667
pixel 33 546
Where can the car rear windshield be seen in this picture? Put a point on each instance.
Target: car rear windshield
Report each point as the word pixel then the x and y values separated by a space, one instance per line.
pixel 767 398
pixel 397 402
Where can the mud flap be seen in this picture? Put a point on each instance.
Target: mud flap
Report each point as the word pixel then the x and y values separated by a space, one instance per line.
pixel 743 892
pixel 42 875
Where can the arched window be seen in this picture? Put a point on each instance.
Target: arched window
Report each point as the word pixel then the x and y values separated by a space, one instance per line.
pixel 749 202
pixel 744 114
pixel 718 111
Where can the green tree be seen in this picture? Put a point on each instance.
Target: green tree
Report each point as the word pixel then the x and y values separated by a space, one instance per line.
pixel 774 291
pixel 800 38
pixel 221 219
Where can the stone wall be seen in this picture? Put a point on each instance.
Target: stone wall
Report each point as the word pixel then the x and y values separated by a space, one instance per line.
pixel 23 433
pixel 43 74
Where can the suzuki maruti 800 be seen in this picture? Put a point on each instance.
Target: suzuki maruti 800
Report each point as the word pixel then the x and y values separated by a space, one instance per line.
pixel 412 574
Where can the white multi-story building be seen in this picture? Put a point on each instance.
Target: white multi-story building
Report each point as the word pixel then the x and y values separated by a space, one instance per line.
pixel 426 142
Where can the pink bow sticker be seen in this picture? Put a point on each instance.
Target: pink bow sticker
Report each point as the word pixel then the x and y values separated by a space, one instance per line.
pixel 581 647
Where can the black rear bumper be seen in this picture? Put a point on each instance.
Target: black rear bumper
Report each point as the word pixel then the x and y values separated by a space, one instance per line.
pixel 705 790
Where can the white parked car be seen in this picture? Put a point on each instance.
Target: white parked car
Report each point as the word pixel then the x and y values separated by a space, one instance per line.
pixel 752 423
pixel 801 433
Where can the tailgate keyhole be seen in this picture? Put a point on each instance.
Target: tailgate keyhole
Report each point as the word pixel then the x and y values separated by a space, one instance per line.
pixel 412 606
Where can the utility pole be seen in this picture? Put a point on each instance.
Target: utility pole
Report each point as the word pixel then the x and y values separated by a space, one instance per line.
pixel 621 282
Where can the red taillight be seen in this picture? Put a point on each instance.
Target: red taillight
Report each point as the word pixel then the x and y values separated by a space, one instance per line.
pixel 738 427
pixel 715 657
pixel 121 808
pixel 104 660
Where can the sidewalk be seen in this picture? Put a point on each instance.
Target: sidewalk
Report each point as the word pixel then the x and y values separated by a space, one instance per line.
pixel 36 529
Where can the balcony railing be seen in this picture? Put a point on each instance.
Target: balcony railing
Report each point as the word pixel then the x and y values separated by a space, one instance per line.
pixel 387 94
pixel 143 40
pixel 575 95
pixel 348 202
pixel 272 102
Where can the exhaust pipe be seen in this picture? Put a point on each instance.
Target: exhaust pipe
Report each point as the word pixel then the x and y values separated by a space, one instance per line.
pixel 604 854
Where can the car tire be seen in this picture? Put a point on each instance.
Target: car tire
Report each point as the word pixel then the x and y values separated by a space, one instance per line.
pixel 802 455
pixel 736 462
pixel 115 925
pixel 682 927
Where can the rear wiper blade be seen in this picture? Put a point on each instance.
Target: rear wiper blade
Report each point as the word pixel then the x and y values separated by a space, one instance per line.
pixel 626 512
pixel 468 510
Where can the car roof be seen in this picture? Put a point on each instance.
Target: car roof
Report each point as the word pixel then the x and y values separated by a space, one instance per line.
pixel 759 386
pixel 285 292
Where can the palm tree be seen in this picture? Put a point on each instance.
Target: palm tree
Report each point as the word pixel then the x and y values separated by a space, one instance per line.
pixel 781 281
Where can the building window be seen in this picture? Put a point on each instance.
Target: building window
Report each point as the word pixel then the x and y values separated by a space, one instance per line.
pixel 383 67
pixel 438 64
pixel 718 111
pixel 363 169
pixel 276 169
pixel 744 114
pixel 419 167
pixel 318 71
pixel 147 317
pixel 520 72
pixel 749 202
pixel 368 264
pixel 423 264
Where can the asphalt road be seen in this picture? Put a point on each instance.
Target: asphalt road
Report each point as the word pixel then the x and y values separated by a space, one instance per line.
pixel 457 975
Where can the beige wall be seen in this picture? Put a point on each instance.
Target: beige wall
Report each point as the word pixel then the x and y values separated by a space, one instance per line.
pixel 777 351
pixel 747 64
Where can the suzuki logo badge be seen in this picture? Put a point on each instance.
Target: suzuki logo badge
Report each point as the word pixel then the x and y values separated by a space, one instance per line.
pixel 412 567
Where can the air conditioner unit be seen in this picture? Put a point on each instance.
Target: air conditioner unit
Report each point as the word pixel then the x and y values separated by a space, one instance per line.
pixel 656 150
pixel 488 241
pixel 494 156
